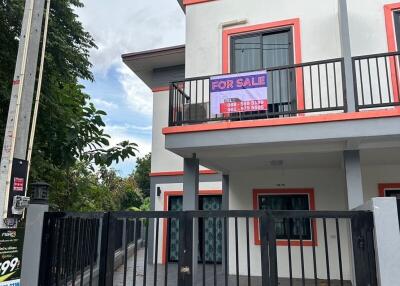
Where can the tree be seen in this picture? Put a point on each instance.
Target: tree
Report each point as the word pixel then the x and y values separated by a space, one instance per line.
pixel 142 174
pixel 70 139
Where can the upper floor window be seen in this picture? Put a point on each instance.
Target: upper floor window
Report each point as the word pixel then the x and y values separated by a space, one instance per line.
pixel 261 50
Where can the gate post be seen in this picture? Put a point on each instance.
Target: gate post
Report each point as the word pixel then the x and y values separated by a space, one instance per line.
pixel 185 263
pixel 107 250
pixel 35 228
pixel 362 227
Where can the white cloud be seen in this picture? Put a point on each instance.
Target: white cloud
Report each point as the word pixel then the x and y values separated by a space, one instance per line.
pixel 119 27
pixel 121 133
pixel 122 26
pixel 137 95
pixel 104 104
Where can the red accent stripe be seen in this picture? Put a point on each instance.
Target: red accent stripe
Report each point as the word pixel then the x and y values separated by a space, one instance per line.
pixel 382 113
pixel 180 173
pixel 160 88
pixel 16 82
pixel 192 2
pixel 392 46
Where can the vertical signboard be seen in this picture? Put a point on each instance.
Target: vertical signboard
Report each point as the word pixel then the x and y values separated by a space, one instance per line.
pixel 18 183
pixel 11 242
pixel 236 93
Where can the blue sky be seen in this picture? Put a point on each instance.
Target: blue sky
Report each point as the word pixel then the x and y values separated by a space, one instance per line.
pixel 119 27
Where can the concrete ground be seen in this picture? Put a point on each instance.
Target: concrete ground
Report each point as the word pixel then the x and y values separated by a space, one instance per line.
pixel 172 275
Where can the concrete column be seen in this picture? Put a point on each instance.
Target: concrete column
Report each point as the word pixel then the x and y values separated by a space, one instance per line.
pixel 345 44
pixel 355 196
pixel 32 244
pixel 191 202
pixel 387 239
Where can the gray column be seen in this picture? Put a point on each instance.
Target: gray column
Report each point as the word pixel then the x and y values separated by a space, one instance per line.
pixel 225 190
pixel 352 164
pixel 32 244
pixel 345 44
pixel 191 201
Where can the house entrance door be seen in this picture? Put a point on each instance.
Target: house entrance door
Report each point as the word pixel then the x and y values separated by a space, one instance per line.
pixel 207 243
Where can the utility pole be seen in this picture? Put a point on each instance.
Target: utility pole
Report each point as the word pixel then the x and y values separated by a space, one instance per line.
pixel 13 164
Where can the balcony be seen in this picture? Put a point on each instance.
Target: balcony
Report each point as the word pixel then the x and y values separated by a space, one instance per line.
pixel 300 90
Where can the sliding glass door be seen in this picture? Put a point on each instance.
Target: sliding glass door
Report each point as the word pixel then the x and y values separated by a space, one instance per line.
pixel 265 50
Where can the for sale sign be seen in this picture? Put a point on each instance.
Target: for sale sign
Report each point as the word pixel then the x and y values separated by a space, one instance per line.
pixel 243 92
pixel 11 241
pixel 18 185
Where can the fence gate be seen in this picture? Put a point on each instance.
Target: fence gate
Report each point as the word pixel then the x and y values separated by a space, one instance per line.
pixel 267 248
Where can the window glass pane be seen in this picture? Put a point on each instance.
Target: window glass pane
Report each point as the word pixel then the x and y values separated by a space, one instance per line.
pixel 276 49
pixel 396 18
pixel 247 53
pixel 297 227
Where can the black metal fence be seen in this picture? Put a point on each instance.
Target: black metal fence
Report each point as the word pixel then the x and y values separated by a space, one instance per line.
pixel 241 247
pixel 376 80
pixel 292 90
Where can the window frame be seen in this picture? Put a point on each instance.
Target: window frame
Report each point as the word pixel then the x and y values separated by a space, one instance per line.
pixel 261 33
pixel 164 226
pixel 383 187
pixel 297 191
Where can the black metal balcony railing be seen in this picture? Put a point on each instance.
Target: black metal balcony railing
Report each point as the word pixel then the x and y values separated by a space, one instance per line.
pixel 376 80
pixel 313 87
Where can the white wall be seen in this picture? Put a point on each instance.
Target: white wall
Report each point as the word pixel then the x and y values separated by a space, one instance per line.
pixel 367 26
pixel 318 20
pixel 378 174
pixel 162 160
pixel 329 187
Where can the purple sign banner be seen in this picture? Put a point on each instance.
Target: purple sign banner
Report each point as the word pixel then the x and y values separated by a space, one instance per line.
pixel 242 92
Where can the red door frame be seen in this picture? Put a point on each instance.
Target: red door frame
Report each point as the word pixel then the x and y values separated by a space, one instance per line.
pixel 167 195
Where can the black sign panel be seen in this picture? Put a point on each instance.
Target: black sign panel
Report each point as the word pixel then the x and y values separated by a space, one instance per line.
pixel 18 183
pixel 11 243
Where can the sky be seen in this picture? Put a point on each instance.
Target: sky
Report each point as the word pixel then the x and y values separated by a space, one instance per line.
pixel 119 27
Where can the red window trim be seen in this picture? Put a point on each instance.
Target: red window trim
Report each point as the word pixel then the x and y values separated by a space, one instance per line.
pixel 192 2
pixel 167 195
pixel 383 187
pixel 311 197
pixel 293 23
pixel 392 44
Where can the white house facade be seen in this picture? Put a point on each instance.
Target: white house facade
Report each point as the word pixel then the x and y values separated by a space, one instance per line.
pixel 325 136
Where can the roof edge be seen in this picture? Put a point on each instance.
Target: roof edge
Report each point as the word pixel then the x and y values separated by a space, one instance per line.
pixel 154 52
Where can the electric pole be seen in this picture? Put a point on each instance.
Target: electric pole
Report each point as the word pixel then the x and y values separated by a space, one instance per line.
pixel 13 164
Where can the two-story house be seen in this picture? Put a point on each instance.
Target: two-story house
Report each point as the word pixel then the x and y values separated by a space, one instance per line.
pixel 281 105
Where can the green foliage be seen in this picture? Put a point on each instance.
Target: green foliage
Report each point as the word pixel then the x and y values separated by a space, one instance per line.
pixel 70 141
pixel 142 174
